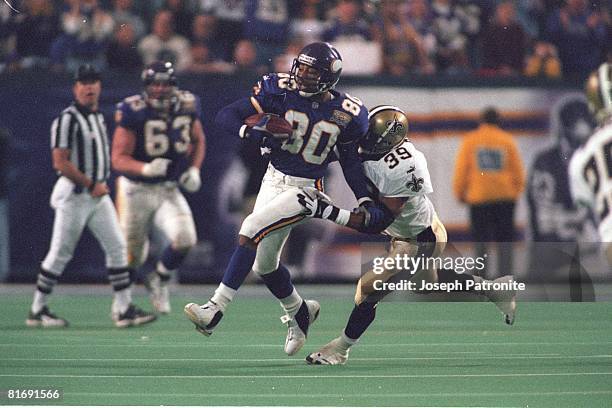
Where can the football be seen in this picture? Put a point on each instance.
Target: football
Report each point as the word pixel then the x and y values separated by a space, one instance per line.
pixel 274 125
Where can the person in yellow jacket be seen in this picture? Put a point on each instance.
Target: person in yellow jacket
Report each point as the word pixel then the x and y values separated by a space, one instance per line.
pixel 489 178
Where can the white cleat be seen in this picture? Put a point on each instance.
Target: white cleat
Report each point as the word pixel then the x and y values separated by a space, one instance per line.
pixel 299 324
pixel 44 318
pixel 330 354
pixel 158 293
pixel 204 317
pixel 505 300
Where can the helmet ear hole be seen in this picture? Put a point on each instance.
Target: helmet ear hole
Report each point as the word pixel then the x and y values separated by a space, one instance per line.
pixel 388 127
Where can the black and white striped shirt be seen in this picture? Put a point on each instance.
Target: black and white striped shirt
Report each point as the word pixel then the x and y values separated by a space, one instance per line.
pixel 84 133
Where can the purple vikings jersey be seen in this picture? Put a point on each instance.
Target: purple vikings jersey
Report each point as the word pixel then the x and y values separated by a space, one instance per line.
pixel 318 126
pixel 158 134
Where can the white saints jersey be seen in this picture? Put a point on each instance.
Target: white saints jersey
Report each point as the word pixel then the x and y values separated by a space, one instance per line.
pixel 403 173
pixel 590 175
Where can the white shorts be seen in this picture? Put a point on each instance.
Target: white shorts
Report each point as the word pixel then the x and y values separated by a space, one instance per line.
pixel 276 211
pixel 143 205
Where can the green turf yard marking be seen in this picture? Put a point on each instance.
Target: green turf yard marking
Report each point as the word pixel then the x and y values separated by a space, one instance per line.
pixel 416 354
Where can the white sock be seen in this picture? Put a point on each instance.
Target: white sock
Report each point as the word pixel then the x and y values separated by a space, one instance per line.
pixel 122 300
pixel 346 342
pixel 291 304
pixel 39 301
pixel 223 296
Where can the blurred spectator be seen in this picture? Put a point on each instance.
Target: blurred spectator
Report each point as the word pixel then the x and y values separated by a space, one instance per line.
pixel 309 25
pixel 183 16
pixel 451 31
pixel 489 178
pixel 87 29
pixel 267 25
pixel 580 37
pixel 284 62
pixel 230 16
pixel 122 54
pixel 504 43
pixel 421 19
pixel 204 31
pixel 7 36
pixel 403 48
pixel 347 24
pixel 164 45
pixel 245 59
pixel 532 16
pixel 123 14
pixel 202 62
pixel 543 61
pixel 36 29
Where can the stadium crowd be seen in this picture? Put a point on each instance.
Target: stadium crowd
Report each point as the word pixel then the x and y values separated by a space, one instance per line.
pixel 547 38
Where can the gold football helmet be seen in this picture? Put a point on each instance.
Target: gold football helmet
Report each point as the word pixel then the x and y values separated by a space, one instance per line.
pixel 388 126
pixel 599 92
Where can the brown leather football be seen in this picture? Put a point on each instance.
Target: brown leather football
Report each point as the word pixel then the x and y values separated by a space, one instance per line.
pixel 275 123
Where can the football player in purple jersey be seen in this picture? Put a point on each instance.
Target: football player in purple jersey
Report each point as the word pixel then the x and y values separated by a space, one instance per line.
pixel 158 146
pixel 327 125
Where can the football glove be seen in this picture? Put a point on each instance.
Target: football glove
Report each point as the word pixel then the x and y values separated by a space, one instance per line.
pixel 376 219
pixel 319 205
pixel 190 180
pixel 156 168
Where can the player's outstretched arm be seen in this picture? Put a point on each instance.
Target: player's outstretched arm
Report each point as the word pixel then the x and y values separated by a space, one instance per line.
pixel 353 171
pixel 318 205
pixel 231 118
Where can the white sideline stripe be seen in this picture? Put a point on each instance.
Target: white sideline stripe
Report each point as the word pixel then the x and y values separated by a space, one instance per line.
pixel 257 376
pixel 141 343
pixel 383 395
pixel 262 360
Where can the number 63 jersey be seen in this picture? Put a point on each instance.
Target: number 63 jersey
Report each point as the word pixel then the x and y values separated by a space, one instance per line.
pixel 403 173
pixel 318 126
pixel 590 176
pixel 160 134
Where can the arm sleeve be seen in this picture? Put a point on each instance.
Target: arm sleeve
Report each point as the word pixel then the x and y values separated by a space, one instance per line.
pixel 127 118
pixel 353 171
pixel 61 131
pixel 231 118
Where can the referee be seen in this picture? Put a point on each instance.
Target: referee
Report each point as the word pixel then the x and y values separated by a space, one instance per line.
pixel 80 152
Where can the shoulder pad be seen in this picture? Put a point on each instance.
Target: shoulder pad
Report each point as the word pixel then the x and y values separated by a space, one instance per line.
pixel 274 84
pixel 187 101
pixel 134 103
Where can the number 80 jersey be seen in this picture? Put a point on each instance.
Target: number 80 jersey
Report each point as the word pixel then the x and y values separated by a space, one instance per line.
pixel 318 126
pixel 158 134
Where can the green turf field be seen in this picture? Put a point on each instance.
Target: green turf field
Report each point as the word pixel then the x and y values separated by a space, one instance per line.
pixel 415 354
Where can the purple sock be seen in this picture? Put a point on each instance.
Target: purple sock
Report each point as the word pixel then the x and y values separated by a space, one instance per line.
pixel 239 267
pixel 172 259
pixel 361 317
pixel 279 282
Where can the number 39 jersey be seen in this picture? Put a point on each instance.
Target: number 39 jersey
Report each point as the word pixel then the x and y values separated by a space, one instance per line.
pixel 160 135
pixel 590 175
pixel 403 173
pixel 318 126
